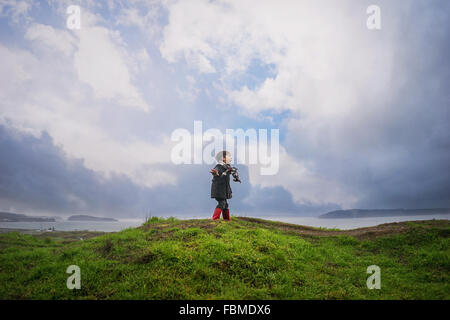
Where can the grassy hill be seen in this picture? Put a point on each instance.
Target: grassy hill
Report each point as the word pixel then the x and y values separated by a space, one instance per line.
pixel 245 258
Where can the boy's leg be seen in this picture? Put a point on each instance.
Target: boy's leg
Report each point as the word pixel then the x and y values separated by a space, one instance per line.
pixel 226 212
pixel 216 214
pixel 218 210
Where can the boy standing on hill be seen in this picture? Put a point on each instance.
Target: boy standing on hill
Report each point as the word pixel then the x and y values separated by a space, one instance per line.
pixel 220 187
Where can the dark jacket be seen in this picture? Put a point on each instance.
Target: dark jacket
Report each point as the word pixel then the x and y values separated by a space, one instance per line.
pixel 220 187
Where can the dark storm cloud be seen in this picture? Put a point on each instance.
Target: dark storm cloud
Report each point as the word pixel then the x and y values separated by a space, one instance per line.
pixel 416 127
pixel 36 176
pixel 395 151
pixel 278 201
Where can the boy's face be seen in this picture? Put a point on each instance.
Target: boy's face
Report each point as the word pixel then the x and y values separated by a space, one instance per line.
pixel 227 159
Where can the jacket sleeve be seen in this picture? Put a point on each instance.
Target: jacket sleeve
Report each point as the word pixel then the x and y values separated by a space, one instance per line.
pixel 222 172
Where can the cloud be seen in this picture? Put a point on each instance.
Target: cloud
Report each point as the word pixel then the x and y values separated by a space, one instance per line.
pixel 304 184
pixel 101 62
pixel 357 98
pixel 17 10
pixel 49 38
pixel 41 90
pixel 144 15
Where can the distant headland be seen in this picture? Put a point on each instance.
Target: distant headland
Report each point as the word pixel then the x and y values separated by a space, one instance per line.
pixel 18 217
pixel 89 218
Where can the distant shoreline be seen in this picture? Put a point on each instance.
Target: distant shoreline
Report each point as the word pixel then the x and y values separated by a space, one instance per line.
pixel 90 218
pixel 6 230
pixel 382 213
pixel 19 217
pixel 54 233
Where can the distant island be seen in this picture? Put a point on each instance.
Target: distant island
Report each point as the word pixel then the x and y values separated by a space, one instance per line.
pixel 370 213
pixel 89 218
pixel 17 217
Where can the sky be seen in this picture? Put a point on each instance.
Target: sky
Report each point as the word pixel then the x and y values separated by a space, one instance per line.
pixel 87 114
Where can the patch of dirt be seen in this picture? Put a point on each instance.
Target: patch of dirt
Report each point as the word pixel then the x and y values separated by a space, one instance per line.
pixel 184 224
pixel 106 248
pixel 163 230
pixel 70 236
pixel 147 258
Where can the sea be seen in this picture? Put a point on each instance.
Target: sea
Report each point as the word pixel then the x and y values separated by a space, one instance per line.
pixel 114 226
pixel 65 225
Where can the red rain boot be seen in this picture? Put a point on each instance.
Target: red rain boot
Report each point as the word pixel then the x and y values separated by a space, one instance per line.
pixel 216 214
pixel 226 214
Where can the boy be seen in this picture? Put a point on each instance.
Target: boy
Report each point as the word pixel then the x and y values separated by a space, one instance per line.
pixel 220 187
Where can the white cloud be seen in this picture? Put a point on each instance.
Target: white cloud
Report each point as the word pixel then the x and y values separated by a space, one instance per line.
pixel 327 67
pixel 131 17
pixel 139 60
pixel 44 90
pixel 141 14
pixel 305 185
pixel 49 38
pixel 17 10
pixel 101 58
pixel 102 62
pixel 322 55
pixel 191 92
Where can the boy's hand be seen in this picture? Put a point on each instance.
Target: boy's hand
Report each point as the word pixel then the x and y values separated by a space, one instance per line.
pixel 214 171
pixel 231 195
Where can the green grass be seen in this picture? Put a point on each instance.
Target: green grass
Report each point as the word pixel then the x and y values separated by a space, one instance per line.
pixel 203 259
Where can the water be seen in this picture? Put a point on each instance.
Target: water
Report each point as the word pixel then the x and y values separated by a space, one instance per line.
pixel 110 226
pixel 343 224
